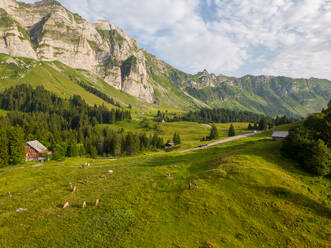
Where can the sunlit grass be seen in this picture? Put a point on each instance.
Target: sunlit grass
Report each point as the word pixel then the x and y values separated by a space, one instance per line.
pixel 248 195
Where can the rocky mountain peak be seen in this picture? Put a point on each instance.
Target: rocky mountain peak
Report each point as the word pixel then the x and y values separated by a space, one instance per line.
pixel 205 72
pixel 47 31
pixel 48 2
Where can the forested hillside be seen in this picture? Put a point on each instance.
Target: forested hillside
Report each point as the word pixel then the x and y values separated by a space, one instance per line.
pixel 309 142
pixel 68 127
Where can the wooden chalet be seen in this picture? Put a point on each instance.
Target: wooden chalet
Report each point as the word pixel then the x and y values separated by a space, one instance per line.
pixel 35 151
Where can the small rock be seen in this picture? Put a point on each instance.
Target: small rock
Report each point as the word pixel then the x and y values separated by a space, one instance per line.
pixel 70 185
pixel 84 204
pixel 66 205
pixel 110 171
pixel 97 202
pixel 74 189
pixel 85 181
pixel 88 165
pixel 21 210
pixel 9 194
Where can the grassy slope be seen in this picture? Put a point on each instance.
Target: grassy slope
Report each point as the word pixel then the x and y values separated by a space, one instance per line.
pixel 248 196
pixel 60 79
pixel 190 132
pixel 168 95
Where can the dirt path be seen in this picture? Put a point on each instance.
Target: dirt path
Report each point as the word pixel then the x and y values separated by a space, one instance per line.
pixel 25 167
pixel 221 141
pixel 206 125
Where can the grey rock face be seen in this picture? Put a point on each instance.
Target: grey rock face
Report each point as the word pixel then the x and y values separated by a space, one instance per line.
pixel 53 33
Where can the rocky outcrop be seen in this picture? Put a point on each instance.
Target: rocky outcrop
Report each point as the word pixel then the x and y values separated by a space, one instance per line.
pixel 51 32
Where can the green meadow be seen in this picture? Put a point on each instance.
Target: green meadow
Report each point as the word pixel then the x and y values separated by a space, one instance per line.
pixel 243 194
pixel 191 133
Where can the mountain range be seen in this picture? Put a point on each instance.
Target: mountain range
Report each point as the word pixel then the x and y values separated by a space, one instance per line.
pixel 44 43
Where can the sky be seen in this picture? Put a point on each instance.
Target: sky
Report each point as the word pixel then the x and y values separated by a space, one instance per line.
pixel 230 37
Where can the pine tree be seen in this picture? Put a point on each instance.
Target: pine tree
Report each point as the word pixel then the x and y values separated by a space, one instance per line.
pixel 179 141
pixel 250 127
pixel 232 131
pixel 59 152
pixel 3 149
pixel 93 152
pixel 82 151
pixel 255 126
pixel 116 144
pixel 129 144
pixel 213 132
pixel 318 159
pixel 176 139
pixel 16 149
pixel 263 125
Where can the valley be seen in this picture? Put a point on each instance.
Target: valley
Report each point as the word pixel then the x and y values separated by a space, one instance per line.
pixel 104 144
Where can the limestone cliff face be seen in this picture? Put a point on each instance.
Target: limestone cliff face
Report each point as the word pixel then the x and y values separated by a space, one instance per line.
pixel 47 31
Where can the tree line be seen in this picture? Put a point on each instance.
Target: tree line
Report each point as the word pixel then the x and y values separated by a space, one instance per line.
pixel 75 111
pixel 309 142
pixel 219 115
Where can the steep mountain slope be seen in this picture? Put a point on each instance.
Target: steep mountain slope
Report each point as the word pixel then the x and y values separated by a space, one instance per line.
pixel 46 31
pixel 60 79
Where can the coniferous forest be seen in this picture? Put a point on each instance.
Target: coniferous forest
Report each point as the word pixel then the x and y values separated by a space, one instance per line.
pixel 67 126
pixel 220 115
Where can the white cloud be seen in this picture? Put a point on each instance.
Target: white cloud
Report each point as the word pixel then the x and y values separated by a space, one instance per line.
pixel 295 34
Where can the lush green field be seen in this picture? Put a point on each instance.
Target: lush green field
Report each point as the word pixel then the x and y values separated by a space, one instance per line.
pixel 248 195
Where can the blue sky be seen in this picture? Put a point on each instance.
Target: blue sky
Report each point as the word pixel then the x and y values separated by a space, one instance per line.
pixel 231 37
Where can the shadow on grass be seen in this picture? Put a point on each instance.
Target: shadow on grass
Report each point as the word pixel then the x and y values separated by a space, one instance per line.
pixel 299 200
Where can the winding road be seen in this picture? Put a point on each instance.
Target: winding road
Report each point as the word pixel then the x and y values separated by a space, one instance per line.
pixel 221 141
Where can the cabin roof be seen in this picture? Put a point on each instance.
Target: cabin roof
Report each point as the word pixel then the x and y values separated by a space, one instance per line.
pixel 37 146
pixel 280 134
